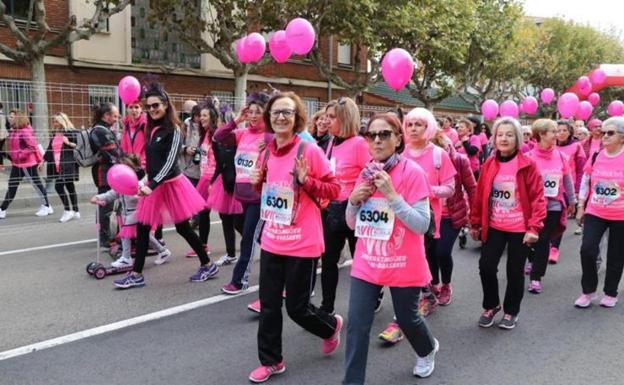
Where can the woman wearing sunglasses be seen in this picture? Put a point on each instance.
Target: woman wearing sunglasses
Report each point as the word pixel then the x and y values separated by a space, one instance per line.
pixel 601 207
pixel 168 196
pixel 509 212
pixel 389 211
pixel 292 175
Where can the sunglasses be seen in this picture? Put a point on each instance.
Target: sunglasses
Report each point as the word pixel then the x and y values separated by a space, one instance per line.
pixel 383 135
pixel 153 106
pixel 285 113
pixel 609 133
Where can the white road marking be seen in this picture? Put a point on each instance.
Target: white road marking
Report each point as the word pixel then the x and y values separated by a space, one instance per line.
pixel 127 323
pixel 57 245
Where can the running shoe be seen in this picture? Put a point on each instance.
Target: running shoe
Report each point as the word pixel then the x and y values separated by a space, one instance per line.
pixel 43 211
pixel 553 256
pixel 508 322
pixel 205 272
pixel 263 373
pixel 76 214
pixel 67 216
pixel 331 344
pixel 254 306
pixel 528 268
pixel 130 280
pixel 233 289
pixel 487 318
pixel 578 231
pixel 2 214
pixel 122 262
pixel 427 305
pixel 392 334
pixel 225 260
pixel 463 240
pixel 435 289
pixel 608 301
pixel 425 365
pixel 446 294
pixel 163 257
pixel 535 287
pixel 585 300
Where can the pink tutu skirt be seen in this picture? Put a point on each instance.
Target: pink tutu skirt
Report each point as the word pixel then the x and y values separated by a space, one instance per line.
pixel 174 201
pixel 221 201
pixel 203 187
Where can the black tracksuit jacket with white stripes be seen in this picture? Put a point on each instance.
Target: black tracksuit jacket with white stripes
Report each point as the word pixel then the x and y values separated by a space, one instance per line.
pixel 161 153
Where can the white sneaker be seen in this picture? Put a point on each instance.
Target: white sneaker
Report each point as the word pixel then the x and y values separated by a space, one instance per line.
pixel 50 210
pixel 67 216
pixel 163 257
pixel 76 214
pixel 123 262
pixel 43 211
pixel 425 365
pixel 578 231
pixel 2 214
pixel 225 260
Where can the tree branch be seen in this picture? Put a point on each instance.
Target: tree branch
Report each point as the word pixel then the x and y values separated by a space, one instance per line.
pixel 22 39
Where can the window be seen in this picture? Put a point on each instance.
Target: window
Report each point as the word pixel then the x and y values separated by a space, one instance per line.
pixel 344 54
pixel 18 8
pixel 104 26
pixel 225 97
pixel 102 94
pixel 15 94
pixel 311 105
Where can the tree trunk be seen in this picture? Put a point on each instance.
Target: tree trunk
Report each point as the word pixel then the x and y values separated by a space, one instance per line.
pixel 240 86
pixel 39 95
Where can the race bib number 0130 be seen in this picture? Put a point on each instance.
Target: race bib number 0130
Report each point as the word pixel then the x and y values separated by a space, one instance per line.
pixel 276 204
pixel 244 162
pixel 375 220
pixel 605 193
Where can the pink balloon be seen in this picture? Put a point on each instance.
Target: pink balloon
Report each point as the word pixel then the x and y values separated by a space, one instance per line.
pixel 567 104
pixel 584 110
pixel 300 36
pixel 123 179
pixel 530 105
pixel 489 109
pixel 598 76
pixel 583 82
pixel 397 68
pixel 241 50
pixel 547 95
pixel 129 89
pixel 616 108
pixel 509 108
pixel 521 107
pixel 278 46
pixel 254 45
pixel 594 99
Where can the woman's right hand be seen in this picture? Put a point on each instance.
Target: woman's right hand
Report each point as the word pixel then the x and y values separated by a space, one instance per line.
pixel 580 214
pixel 255 177
pixel 361 193
pixel 94 200
pixel 242 115
pixel 475 234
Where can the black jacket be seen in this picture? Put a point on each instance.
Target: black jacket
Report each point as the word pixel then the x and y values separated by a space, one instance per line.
pixel 161 153
pixel 106 148
pixel 69 168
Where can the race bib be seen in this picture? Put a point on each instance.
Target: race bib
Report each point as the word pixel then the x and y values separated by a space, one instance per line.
pixel 605 193
pixel 245 162
pixel 504 195
pixel 551 185
pixel 375 220
pixel 277 204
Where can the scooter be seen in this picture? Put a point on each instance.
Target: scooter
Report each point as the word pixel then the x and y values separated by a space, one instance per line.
pixel 97 269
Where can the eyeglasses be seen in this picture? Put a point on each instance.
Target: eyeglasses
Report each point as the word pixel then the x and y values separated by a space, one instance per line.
pixel 342 100
pixel 609 133
pixel 286 113
pixel 383 135
pixel 153 106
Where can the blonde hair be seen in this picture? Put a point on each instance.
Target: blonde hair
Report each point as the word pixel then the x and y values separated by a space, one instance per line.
pixel 21 119
pixel 348 114
pixel 541 126
pixel 63 121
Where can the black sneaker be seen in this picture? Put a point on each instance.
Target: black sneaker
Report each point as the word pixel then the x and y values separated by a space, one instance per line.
pixel 487 318
pixel 508 322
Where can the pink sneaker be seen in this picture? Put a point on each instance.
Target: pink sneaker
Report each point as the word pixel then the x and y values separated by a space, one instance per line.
pixel 553 256
pixel 528 268
pixel 435 289
pixel 254 306
pixel 331 344
pixel 446 293
pixel 608 301
pixel 585 300
pixel 193 254
pixel 263 373
pixel 535 287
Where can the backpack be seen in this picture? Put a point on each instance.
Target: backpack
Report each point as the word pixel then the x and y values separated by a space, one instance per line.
pixel 225 166
pixel 83 153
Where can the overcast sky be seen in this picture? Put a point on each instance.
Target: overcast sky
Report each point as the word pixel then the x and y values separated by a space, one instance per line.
pixel 602 14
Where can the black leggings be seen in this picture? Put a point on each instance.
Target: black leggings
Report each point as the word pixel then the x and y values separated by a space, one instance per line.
pixel 539 257
pixel 17 173
pixel 204 226
pixel 60 186
pixel 230 224
pixel 183 228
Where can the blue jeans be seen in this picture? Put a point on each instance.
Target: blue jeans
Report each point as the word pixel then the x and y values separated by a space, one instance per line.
pixel 251 213
pixel 362 302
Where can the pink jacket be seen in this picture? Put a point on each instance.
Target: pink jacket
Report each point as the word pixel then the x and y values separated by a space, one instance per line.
pixel 134 144
pixel 23 148
pixel 464 181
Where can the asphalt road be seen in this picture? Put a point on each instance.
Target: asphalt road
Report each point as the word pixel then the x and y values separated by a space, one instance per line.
pixel 46 294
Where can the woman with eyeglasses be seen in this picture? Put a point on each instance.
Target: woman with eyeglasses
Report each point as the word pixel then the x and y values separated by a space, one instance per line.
pixel 347 154
pixel 601 207
pixel 249 140
pixel 559 193
pixel 168 196
pixel 291 175
pixel 509 212
pixel 389 211
pixel 62 166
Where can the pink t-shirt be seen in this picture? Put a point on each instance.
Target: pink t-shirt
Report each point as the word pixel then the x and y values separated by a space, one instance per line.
pixel 425 160
pixel 208 163
pixel 347 161
pixel 451 134
pixel 572 151
pixel 399 261
pixel 246 152
pixel 505 208
pixel 57 147
pixel 483 138
pixel 473 140
pixel 303 237
pixel 553 165
pixel 607 185
pixel 594 147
